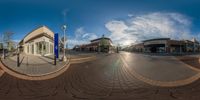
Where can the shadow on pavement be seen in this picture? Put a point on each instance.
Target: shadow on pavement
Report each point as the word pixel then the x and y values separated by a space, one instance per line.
pixel 21 61
pixel 46 60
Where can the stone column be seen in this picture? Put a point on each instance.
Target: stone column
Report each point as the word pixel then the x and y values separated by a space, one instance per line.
pixel 35 48
pixel 49 48
pixel 42 47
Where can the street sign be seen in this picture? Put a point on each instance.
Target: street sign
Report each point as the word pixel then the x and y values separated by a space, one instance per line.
pixel 56 45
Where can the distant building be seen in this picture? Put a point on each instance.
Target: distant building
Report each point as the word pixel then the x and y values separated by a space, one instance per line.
pixel 137 47
pixel 11 45
pixel 38 42
pixel 102 44
pixel 166 45
pixel 1 45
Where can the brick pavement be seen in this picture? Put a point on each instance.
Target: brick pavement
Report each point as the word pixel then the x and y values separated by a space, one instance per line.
pixel 101 79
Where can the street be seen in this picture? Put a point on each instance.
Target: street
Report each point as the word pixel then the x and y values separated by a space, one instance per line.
pixel 109 77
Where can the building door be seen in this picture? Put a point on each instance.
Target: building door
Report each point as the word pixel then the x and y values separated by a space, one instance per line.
pixel 153 49
pixel 40 48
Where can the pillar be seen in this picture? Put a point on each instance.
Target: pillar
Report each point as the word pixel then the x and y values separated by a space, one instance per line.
pixel 49 48
pixel 42 48
pixel 35 48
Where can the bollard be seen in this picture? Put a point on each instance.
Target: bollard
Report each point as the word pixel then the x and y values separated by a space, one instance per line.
pixel 18 60
pixel 4 55
pixel 27 60
pixel 54 59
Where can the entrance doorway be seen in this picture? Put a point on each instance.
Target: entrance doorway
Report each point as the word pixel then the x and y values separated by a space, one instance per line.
pixel 41 48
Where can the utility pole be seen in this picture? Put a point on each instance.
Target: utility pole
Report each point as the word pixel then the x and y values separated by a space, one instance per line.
pixel 98 47
pixel 118 48
pixel 64 27
pixel 3 55
pixel 64 42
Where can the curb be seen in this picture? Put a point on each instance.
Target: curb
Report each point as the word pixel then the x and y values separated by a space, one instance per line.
pixel 34 77
pixel 189 66
pixel 45 76
pixel 1 72
pixel 83 58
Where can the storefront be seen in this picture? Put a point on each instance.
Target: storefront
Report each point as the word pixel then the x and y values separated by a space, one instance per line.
pixel 156 45
pixel 166 45
pixel 102 44
pixel 38 42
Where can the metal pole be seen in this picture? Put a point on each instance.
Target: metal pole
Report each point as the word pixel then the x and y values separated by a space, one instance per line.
pixel 17 59
pixel 3 53
pixel 117 49
pixel 64 43
pixel 3 47
pixel 64 29
pixel 194 46
pixel 54 59
pixel 99 48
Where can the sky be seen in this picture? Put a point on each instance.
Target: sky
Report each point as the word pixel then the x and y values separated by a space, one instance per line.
pixel 124 21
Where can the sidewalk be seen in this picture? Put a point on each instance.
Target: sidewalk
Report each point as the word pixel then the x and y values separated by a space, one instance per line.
pixel 193 61
pixel 41 65
pixel 33 65
pixel 29 59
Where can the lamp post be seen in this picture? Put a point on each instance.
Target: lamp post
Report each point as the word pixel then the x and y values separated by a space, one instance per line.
pixel 18 56
pixel 3 55
pixel 98 47
pixel 64 42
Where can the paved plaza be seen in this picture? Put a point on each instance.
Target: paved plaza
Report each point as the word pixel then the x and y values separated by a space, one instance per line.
pixel 38 65
pixel 33 65
pixel 117 76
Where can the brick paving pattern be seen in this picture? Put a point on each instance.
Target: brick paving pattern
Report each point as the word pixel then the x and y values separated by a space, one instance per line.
pixel 101 79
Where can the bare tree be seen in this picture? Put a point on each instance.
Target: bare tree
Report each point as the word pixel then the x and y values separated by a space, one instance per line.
pixel 7 40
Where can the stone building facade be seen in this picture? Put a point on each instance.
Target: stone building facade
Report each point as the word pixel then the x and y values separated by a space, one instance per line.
pixel 39 42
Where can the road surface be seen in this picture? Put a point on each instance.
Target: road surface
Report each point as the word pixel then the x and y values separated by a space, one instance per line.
pixel 109 77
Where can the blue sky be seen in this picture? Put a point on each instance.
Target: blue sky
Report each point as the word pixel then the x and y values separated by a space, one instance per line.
pixel 124 21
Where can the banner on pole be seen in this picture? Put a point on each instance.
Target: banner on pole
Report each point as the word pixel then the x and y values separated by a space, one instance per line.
pixel 56 41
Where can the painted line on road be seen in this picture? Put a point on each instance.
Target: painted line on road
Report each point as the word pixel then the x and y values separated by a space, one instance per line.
pixel 161 83
pixel 81 60
pixel 189 66
pixel 1 72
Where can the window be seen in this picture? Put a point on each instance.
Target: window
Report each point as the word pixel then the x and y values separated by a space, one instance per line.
pixel 27 48
pixel 32 48
pixel 51 48
pixel 37 48
pixel 47 49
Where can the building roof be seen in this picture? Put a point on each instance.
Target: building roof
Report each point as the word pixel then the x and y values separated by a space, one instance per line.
pixel 194 40
pixel 37 32
pixel 156 39
pixel 100 39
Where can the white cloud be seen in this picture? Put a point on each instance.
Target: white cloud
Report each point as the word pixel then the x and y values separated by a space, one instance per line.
pixel 147 26
pixel 130 15
pixel 17 41
pixel 81 37
pixel 117 27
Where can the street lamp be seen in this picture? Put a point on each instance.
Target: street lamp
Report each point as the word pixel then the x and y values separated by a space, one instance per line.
pixel 98 47
pixel 3 56
pixel 18 56
pixel 118 48
pixel 64 42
